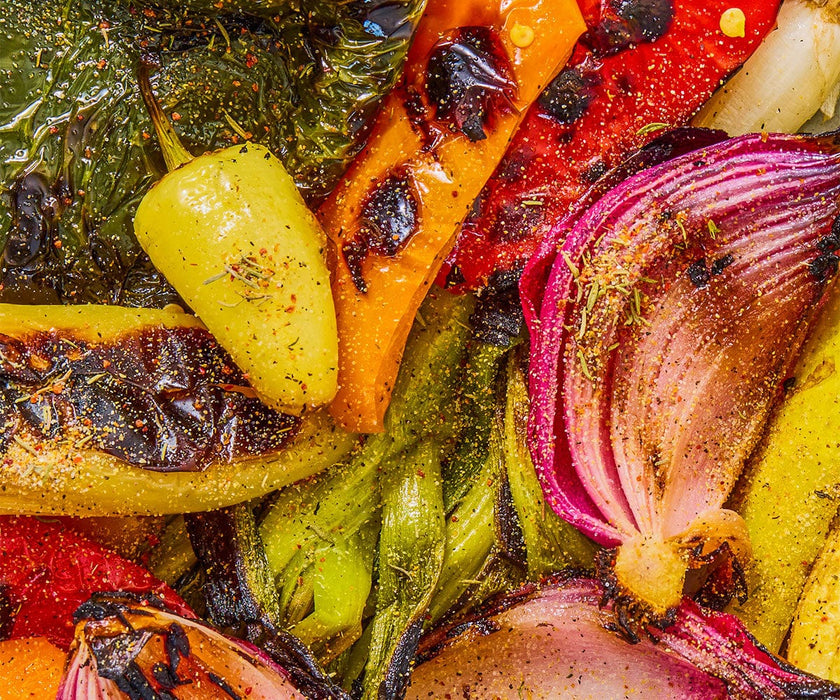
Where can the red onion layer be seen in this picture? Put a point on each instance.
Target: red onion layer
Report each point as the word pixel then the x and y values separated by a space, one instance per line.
pixel 126 647
pixel 672 311
pixel 556 641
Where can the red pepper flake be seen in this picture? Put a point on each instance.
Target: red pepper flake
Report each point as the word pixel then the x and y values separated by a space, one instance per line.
pixel 250 60
pixel 101 64
pixel 176 116
pixel 57 388
pixel 106 363
pixel 57 244
pixel 53 129
pixel 255 87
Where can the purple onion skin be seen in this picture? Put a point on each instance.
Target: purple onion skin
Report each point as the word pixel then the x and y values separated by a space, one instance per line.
pixel 753 213
pixel 557 641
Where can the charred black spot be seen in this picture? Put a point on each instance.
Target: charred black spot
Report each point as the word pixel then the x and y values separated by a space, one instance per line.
pixel 28 263
pixel 831 241
pixel 788 384
pixel 115 655
pixel 163 399
pixel 165 676
pixel 698 273
pixel 629 22
pixel 386 19
pixel 223 684
pixel 721 264
pixel 594 172
pixel 469 77
pixel 7 612
pixel 516 162
pixel 498 318
pixel 516 220
pixel 178 640
pixel 650 19
pixel 508 527
pixel 133 683
pixel 389 219
pixel 824 266
pixel 455 276
pixel 399 668
pixel 567 96
pixel 389 215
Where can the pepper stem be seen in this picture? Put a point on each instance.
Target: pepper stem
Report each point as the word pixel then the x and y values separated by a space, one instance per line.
pixel 174 153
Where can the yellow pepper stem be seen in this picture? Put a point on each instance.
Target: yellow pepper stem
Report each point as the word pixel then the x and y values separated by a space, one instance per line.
pixel 174 152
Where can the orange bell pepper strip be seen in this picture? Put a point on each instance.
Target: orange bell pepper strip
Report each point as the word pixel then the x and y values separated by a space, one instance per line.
pixel 30 669
pixel 473 69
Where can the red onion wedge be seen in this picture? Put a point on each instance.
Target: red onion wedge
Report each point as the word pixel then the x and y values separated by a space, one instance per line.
pixel 126 647
pixel 672 311
pixel 557 641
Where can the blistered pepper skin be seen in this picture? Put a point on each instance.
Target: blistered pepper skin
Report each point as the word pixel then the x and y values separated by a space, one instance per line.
pixel 231 233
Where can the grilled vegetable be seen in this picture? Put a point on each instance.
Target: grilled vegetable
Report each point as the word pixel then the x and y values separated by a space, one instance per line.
pixel 551 544
pixel 674 309
pixel 394 216
pixel 320 536
pixel 32 666
pixel 231 233
pixel 788 518
pixel 134 646
pixel 559 640
pixel 640 68
pixel 813 642
pixel 411 553
pixel 793 74
pixel 238 587
pixel 111 410
pixel 77 154
pixel 47 570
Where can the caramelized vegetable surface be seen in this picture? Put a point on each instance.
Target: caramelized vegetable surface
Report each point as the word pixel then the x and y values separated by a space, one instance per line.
pixel 112 410
pixel 395 215
pixel 77 153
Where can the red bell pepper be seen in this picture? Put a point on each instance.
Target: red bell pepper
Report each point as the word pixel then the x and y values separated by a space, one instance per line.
pixel 622 86
pixel 47 571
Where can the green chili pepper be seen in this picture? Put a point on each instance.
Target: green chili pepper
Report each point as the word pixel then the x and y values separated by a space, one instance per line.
pixel 231 233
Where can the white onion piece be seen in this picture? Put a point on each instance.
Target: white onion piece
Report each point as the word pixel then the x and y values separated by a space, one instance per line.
pixel 790 76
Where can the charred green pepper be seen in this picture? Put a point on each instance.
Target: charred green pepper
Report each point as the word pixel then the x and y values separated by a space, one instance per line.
pixel 77 152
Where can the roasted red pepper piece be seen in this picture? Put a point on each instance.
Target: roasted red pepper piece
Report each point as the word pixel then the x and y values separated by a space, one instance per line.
pixel 47 571
pixel 620 89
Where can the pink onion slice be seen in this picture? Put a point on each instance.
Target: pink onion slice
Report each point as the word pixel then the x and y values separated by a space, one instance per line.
pixel 125 648
pixel 672 311
pixel 555 641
